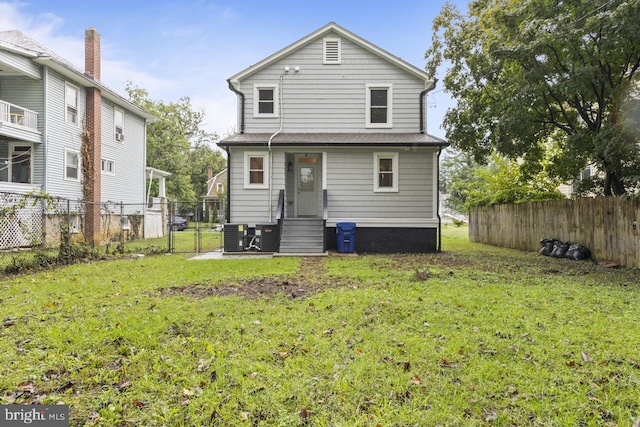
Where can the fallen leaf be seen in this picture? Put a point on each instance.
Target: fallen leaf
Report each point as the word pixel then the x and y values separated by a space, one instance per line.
pixel 304 413
pixel 571 363
pixel 124 385
pixel 415 379
pixel 27 387
pixel 328 331
pixel 586 357
pixel 490 415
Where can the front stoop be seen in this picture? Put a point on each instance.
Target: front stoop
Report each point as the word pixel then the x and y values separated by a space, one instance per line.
pixel 302 237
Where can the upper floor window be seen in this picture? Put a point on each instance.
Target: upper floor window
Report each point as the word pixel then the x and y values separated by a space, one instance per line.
pixel 256 170
pixel 385 172
pixel 72 165
pixel 71 99
pixel 379 106
pixel 266 101
pixel 118 120
pixel 332 52
pixel 220 187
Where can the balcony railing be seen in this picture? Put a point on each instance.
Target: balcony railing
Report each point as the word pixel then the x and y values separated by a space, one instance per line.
pixel 14 114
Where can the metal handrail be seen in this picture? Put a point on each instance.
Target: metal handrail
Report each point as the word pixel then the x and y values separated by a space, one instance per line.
pixel 280 216
pixel 325 216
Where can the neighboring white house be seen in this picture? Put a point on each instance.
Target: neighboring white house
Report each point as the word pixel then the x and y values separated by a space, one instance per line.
pixel 45 105
pixel 216 192
pixel 332 130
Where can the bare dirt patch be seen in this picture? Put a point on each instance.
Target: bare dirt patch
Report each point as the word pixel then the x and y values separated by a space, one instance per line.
pixel 307 281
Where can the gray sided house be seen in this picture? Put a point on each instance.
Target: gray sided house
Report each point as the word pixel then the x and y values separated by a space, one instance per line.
pixel 332 130
pixel 45 103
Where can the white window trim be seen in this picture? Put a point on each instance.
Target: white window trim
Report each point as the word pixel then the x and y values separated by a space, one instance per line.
pixel 66 104
pixel 325 60
pixel 67 151
pixel 12 146
pixel 220 187
pixel 115 133
pixel 265 165
pixel 389 124
pixel 376 172
pixel 106 172
pixel 256 100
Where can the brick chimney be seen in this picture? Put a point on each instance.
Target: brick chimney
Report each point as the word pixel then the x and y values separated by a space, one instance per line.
pixel 93 127
pixel 209 172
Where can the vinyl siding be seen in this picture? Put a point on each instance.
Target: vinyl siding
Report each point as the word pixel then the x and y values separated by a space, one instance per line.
pixel 251 206
pixel 350 182
pixel 128 183
pixel 27 93
pixel 332 98
pixel 61 136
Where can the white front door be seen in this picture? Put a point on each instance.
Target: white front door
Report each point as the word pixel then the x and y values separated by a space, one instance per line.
pixel 307 168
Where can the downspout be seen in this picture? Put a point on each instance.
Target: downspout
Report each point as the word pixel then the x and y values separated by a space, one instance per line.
pixel 241 104
pixel 439 246
pixel 281 89
pixel 423 95
pixel 227 208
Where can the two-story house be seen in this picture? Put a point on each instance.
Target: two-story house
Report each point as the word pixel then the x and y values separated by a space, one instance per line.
pixel 332 131
pixel 46 105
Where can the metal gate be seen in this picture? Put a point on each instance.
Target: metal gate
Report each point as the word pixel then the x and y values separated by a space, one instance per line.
pixel 193 227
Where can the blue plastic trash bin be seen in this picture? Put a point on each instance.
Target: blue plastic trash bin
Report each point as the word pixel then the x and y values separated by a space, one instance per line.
pixel 346 237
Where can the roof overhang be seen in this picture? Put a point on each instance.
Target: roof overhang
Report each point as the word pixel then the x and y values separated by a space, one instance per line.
pixel 156 172
pixel 333 139
pixel 87 81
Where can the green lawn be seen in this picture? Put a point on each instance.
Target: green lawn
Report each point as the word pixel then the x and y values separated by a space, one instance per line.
pixel 473 336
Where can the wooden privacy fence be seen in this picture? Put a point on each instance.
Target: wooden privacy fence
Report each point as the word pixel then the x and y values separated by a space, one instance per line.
pixel 608 226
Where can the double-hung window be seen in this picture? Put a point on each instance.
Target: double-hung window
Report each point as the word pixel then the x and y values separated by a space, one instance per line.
pixel 71 99
pixel 256 170
pixel 118 120
pixel 265 101
pixel 108 167
pixel 72 165
pixel 379 106
pixel 385 177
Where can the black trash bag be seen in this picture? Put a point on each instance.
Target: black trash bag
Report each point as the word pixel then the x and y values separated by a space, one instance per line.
pixel 559 249
pixel 547 247
pixel 577 252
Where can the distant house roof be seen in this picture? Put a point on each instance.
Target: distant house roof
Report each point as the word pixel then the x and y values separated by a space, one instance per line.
pixel 333 27
pixel 335 139
pixel 17 42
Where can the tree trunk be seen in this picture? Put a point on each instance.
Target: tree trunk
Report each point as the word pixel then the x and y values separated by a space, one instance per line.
pixel 613 186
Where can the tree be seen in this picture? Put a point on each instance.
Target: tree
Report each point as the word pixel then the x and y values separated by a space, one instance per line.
pixel 500 181
pixel 177 143
pixel 530 73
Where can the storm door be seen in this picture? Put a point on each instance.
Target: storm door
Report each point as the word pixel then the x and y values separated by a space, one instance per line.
pixel 306 182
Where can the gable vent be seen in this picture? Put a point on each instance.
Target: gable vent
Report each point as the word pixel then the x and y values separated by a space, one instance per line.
pixel 332 51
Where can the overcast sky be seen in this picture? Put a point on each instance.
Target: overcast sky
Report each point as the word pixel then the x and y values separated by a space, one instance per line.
pixel 190 48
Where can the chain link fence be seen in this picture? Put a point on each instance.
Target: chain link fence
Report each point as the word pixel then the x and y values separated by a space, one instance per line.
pixel 39 230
